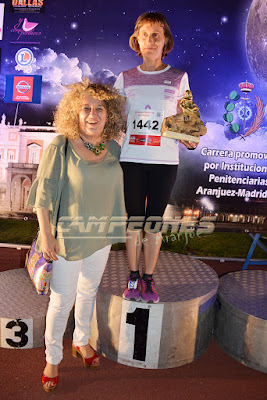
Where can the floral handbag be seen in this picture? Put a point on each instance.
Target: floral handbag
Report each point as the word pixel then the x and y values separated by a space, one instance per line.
pixel 40 269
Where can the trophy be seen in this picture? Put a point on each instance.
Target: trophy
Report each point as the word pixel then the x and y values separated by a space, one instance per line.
pixel 186 126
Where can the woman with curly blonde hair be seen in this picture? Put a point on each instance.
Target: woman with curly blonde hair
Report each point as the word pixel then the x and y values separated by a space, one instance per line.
pixel 67 113
pixel 78 190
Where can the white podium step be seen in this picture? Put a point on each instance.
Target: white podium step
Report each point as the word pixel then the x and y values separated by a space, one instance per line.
pixel 22 312
pixel 171 333
pixel 241 317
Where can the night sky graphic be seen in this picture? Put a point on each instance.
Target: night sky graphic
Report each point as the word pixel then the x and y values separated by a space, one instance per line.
pixel 90 38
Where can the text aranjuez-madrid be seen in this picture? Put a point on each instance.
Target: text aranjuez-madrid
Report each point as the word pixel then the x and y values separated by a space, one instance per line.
pixel 241 192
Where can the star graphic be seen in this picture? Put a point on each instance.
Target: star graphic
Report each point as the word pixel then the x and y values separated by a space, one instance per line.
pixel 224 19
pixel 74 25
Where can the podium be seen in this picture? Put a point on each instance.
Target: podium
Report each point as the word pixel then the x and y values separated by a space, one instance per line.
pixel 171 333
pixel 241 317
pixel 22 312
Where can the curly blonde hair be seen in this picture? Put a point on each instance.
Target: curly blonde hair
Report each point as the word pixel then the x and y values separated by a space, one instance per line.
pixel 153 18
pixel 66 116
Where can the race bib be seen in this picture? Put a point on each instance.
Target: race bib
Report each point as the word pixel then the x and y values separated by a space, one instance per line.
pixel 145 129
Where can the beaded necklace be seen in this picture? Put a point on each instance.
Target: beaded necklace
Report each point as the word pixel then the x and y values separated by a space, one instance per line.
pixel 97 150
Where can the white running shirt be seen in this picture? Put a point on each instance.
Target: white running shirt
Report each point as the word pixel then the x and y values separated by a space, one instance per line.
pixel 151 96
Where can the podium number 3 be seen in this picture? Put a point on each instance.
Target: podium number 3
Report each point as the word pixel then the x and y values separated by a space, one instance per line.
pixel 139 318
pixel 21 334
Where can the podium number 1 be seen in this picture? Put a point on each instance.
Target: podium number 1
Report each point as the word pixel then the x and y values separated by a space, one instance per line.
pixel 140 334
pixel 139 318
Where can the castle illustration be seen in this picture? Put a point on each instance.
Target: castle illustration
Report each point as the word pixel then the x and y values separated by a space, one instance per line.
pixel 21 149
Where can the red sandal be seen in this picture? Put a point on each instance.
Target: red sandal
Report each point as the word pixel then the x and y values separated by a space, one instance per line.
pixel 52 380
pixel 87 362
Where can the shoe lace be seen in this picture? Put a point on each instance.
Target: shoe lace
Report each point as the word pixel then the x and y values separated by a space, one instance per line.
pixel 149 285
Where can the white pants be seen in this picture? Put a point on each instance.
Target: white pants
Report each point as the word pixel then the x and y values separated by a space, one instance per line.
pixel 72 280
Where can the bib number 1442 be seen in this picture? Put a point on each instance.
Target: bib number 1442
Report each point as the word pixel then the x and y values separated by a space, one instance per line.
pixel 149 125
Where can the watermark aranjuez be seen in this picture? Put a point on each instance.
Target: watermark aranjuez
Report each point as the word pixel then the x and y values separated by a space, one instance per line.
pixel 99 227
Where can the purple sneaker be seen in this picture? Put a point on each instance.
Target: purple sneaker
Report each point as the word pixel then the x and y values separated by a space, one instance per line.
pixel 133 290
pixel 148 291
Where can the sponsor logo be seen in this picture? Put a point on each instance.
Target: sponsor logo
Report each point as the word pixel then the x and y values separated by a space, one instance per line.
pixel 27 6
pixel 168 82
pixel 24 58
pixel 139 140
pixel 2 8
pixel 23 87
pixel 25 32
pixel 242 116
pixel 28 26
pixel 147 107
pixel 153 140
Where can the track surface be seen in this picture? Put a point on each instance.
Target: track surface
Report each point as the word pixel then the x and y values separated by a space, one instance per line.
pixel 214 376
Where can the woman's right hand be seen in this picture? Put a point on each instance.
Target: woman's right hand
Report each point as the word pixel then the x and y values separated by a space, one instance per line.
pixel 49 247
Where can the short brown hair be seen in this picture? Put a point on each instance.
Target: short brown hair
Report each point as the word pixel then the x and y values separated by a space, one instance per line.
pixel 153 18
pixel 66 117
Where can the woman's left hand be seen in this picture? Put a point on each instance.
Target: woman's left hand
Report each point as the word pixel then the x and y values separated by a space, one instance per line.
pixel 189 145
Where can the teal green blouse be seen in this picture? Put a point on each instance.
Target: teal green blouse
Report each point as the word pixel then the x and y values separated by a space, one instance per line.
pixel 91 206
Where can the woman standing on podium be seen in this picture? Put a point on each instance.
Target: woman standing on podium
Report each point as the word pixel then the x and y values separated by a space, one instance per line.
pixel 153 91
pixel 81 163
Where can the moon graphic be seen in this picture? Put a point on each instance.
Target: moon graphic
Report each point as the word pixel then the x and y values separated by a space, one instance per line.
pixel 256 39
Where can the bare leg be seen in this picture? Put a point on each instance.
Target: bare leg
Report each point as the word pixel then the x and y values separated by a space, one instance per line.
pixel 152 244
pixel 134 247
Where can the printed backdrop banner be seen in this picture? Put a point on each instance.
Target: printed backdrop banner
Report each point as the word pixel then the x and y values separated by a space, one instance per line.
pixel 218 43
